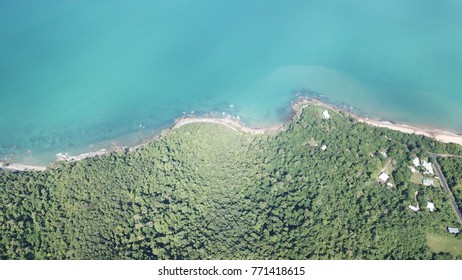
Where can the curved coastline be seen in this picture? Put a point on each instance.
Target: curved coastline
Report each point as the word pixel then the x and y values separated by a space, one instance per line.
pixel 231 123
pixel 443 136
pixel 236 125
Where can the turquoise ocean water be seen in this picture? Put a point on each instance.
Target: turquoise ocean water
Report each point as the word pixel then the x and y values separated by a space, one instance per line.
pixel 76 76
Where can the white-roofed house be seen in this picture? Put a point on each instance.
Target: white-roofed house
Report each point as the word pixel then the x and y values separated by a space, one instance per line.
pixel 383 177
pixel 430 206
pixel 324 147
pixel 453 230
pixel 325 115
pixel 428 167
pixel 413 208
pixel 428 182
pixel 416 162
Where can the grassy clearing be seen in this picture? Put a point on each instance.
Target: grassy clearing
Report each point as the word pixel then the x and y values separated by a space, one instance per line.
pixel 313 142
pixel 388 167
pixel 444 243
pixel 416 178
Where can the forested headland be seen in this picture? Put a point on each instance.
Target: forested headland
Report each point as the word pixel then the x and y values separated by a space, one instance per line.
pixel 205 191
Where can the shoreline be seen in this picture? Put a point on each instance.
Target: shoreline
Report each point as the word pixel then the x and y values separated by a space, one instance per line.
pixel 443 136
pixel 231 123
pixel 437 134
pixel 235 124
pixel 440 135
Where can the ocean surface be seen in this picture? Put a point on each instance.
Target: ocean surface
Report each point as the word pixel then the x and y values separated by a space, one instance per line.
pixel 77 76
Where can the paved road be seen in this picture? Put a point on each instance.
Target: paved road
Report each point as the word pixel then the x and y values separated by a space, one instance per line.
pixel 444 155
pixel 446 187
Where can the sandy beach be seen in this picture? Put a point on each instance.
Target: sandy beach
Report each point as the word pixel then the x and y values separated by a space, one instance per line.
pixel 65 157
pixel 440 135
pixel 437 134
pixel 236 125
pixel 59 157
pixel 20 167
pixel 228 122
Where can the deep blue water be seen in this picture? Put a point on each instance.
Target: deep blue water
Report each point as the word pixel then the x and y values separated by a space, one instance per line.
pixel 76 76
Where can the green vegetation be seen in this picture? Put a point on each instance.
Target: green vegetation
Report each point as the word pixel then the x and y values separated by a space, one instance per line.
pixel 452 167
pixel 204 191
pixel 416 178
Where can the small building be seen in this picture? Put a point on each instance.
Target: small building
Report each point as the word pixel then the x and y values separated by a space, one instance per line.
pixel 323 147
pixel 413 170
pixel 383 177
pixel 430 206
pixel 428 167
pixel 428 182
pixel 414 209
pixel 384 154
pixel 390 185
pixel 416 162
pixel 453 230
pixel 325 115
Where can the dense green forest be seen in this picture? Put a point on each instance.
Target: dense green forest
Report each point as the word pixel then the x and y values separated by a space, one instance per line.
pixel 452 167
pixel 205 191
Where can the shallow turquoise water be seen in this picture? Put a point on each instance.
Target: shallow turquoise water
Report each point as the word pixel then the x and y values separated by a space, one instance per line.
pixel 76 76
